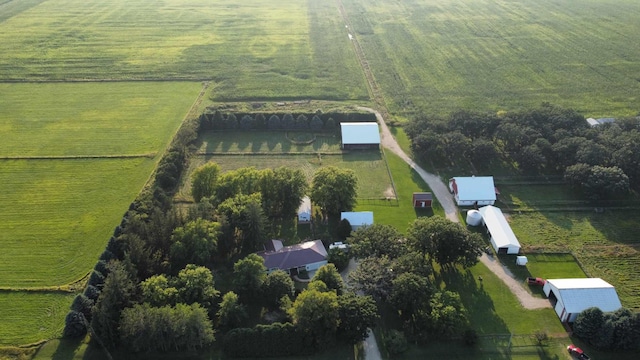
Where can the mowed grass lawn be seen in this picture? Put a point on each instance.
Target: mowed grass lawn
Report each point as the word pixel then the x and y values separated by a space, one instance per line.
pixel 250 48
pixel 443 55
pixel 267 142
pixel 29 317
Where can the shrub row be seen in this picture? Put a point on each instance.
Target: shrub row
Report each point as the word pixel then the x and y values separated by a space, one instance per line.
pixel 280 121
pixel 267 341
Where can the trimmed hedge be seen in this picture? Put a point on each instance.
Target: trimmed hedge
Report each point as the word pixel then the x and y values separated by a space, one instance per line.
pixel 280 121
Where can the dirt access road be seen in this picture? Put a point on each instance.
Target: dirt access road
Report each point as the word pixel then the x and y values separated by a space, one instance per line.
pixel 442 194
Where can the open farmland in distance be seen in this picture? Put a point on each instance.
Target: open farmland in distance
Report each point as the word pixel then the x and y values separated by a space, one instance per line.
pixel 105 119
pixel 439 56
pixel 251 49
pixel 56 215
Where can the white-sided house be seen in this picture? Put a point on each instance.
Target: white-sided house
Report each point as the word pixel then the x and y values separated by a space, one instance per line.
pixel 309 256
pixel 360 135
pixel 473 190
pixel 304 211
pixel 358 219
pixel 503 240
pixel 572 296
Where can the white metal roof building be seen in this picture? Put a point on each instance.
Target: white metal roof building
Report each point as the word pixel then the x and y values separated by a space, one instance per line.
pixel 304 210
pixel 503 240
pixel 358 219
pixel 572 296
pixel 356 135
pixel 473 190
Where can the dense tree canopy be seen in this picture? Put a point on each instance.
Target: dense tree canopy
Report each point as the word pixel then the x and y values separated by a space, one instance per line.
pixel 316 313
pixel 377 240
pixel 248 276
pixel 357 314
pixel 194 243
pixel 446 242
pixel 183 327
pixel 331 277
pixel 276 285
pixel 334 189
pixel 204 181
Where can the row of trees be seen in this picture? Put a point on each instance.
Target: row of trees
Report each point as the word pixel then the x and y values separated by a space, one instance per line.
pixel 306 121
pixel 398 271
pixel 618 330
pixel 547 140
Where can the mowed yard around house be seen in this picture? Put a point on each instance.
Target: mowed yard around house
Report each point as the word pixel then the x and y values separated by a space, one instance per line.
pixel 250 49
pixel 485 55
pixel 57 214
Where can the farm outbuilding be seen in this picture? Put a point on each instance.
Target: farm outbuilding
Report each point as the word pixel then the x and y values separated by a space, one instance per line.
pixel 595 122
pixel 474 218
pixel 422 199
pixel 473 190
pixel 570 297
pixel 358 219
pixel 503 240
pixel 360 135
pixel 309 256
pixel 304 211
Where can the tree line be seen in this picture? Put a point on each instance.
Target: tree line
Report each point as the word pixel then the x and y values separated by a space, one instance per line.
pixel 600 161
pixel 317 122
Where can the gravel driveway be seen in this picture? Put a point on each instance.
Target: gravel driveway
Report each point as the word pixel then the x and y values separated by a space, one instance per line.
pixel 441 192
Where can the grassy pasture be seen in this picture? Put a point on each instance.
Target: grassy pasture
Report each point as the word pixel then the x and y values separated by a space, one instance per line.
pixel 440 56
pixel 605 244
pixel 91 118
pixel 252 49
pixel 266 142
pixel 31 317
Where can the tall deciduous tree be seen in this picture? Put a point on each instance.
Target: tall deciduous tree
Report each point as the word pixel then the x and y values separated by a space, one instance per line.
pixel 195 285
pixel 204 181
pixel 444 241
pixel 282 191
pixel 231 313
pixel 331 277
pixel 316 313
pixel 248 276
pixel 157 291
pixel 194 243
pixel 334 189
pixel 246 222
pixel 410 294
pixel 377 240
pixel 448 315
pixel 357 315
pixel 276 285
pixel 373 276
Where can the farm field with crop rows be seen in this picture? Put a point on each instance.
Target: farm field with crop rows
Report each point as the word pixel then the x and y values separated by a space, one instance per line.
pixel 440 56
pixel 256 49
pixel 60 207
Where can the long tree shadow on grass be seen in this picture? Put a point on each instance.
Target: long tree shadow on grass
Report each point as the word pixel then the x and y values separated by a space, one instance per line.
pixel 477 301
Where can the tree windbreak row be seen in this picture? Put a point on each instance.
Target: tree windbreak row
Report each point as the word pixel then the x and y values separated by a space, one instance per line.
pixel 318 121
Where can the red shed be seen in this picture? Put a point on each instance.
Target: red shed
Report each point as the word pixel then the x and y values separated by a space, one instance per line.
pixel 422 199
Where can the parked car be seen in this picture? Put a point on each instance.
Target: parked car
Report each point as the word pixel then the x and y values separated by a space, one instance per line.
pixel 577 352
pixel 536 281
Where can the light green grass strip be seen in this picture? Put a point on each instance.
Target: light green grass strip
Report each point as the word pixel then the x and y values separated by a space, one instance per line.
pixel 32 317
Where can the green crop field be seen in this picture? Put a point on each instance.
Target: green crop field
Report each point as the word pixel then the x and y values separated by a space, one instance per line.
pixel 57 213
pixel 91 118
pixel 251 49
pixel 442 55
pixel 30 317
